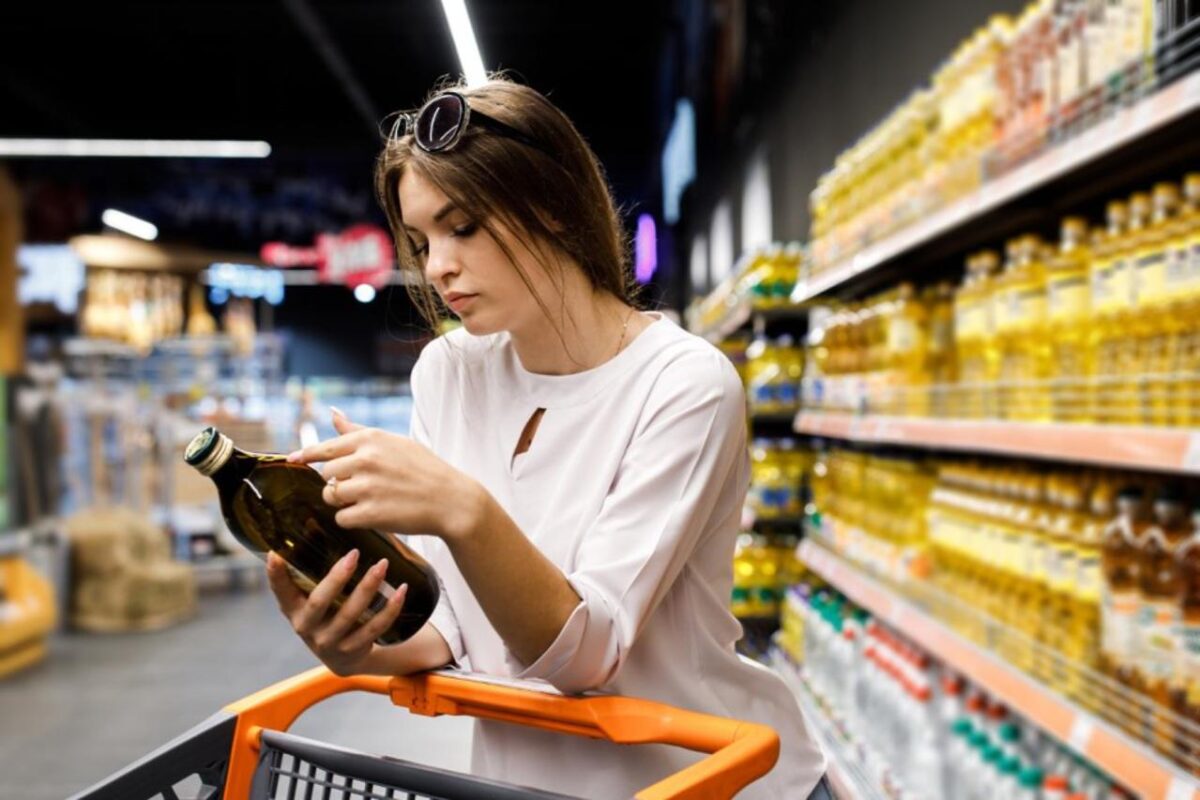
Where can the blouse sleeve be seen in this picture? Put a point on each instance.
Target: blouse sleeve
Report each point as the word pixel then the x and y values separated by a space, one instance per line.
pixel 690 442
pixel 443 618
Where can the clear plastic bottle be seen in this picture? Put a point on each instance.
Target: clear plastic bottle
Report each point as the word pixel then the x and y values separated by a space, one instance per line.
pixel 1104 331
pixel 1160 584
pixel 1068 309
pixel 1121 602
pixel 1154 328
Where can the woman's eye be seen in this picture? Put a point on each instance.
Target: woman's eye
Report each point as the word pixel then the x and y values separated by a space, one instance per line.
pixel 421 250
pixel 463 231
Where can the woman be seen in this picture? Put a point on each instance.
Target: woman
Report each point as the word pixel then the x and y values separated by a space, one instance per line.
pixel 577 467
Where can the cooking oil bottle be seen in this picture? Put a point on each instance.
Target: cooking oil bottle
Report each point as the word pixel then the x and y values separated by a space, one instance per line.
pixel 907 350
pixel 1027 293
pixel 1158 613
pixel 1183 281
pixel 1120 558
pixel 1154 330
pixel 1005 306
pixel 1099 509
pixel 1128 400
pixel 1068 310
pixel 968 339
pixel 1104 332
pixel 942 358
pixel 1186 695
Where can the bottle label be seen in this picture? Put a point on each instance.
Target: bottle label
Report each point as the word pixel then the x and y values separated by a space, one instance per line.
pixel 1151 281
pixel 1033 306
pixel 1119 612
pixel 1067 298
pixel 1102 287
pixel 1178 272
pixel 1157 631
pixel 1187 661
pixel 1089 580
pixel 1194 267
pixel 1123 294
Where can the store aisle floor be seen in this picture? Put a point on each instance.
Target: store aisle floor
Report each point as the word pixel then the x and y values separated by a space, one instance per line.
pixel 99 702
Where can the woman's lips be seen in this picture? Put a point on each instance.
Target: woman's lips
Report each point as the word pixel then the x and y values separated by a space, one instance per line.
pixel 459 302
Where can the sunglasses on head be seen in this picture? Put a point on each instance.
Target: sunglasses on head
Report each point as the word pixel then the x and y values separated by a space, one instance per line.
pixel 440 124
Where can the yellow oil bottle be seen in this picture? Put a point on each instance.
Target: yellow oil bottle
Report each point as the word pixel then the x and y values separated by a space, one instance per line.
pixel 1183 282
pixel 1121 601
pixel 1104 332
pixel 1154 330
pixel 1003 344
pixel 1030 346
pixel 1159 586
pixel 1068 311
pixel 968 342
pixel 1127 396
pixel 1186 701
pixel 907 351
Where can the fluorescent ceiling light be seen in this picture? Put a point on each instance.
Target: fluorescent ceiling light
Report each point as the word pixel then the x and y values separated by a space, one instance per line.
pixel 464 41
pixel 133 148
pixel 127 223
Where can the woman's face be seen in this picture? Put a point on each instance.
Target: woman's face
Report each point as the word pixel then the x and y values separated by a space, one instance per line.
pixel 466 266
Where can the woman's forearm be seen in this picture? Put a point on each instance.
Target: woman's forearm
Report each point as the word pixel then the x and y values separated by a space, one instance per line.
pixel 425 650
pixel 525 596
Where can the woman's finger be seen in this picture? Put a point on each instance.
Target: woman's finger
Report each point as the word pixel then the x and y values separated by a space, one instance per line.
pixel 342 423
pixel 355 516
pixel 315 608
pixel 341 468
pixel 358 602
pixel 286 592
pixel 379 623
pixel 328 449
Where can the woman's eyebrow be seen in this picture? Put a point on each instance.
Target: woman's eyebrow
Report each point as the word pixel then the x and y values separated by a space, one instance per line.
pixel 438 217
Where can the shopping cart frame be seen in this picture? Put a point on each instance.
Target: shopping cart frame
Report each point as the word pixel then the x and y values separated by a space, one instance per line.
pixel 227 750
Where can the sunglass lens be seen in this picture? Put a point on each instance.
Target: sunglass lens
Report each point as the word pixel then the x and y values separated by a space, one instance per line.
pixel 437 127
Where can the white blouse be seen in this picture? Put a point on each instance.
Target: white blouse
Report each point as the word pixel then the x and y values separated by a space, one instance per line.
pixel 633 486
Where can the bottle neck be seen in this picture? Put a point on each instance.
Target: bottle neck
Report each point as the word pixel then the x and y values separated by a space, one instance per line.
pixel 218 458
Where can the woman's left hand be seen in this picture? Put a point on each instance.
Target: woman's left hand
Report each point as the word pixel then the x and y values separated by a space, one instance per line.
pixel 391 483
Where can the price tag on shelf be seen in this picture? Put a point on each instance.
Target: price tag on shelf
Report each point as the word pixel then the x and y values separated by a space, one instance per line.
pixel 1081 732
pixel 1181 789
pixel 1191 457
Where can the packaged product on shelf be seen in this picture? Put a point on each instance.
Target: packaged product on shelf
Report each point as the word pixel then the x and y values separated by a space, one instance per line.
pixel 1068 307
pixel 1121 602
pixel 916 727
pixel 774 369
pixel 1159 609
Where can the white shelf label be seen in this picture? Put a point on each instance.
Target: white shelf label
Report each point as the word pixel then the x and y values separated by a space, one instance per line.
pixel 1191 458
pixel 1081 733
pixel 1181 789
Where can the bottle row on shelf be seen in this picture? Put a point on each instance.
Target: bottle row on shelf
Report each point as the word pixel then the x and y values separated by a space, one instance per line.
pixel 1091 577
pixel 1102 328
pixel 920 729
pixel 763 280
pixel 1006 93
pixel 777 479
pixel 763 568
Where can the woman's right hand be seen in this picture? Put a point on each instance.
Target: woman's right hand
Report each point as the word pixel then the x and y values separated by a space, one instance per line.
pixel 338 640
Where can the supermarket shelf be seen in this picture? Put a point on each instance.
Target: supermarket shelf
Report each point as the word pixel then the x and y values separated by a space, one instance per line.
pixel 1133 764
pixel 1165 449
pixel 1123 128
pixel 772 417
pixel 742 313
pixel 845 765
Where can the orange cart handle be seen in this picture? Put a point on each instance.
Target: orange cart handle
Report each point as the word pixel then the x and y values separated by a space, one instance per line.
pixel 740 752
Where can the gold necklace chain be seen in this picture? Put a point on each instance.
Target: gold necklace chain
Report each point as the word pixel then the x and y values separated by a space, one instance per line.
pixel 624 329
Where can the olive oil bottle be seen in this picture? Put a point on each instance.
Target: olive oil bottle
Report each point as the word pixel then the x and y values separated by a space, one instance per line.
pixel 270 504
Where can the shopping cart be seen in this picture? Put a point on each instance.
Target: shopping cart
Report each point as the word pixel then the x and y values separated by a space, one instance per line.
pixel 243 753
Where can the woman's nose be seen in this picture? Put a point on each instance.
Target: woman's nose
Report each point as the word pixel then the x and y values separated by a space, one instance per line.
pixel 439 264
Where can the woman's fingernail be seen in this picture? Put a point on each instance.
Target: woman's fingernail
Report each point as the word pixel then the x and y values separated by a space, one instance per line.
pixel 350 560
pixel 380 566
pixel 337 412
pixel 400 594
pixel 294 456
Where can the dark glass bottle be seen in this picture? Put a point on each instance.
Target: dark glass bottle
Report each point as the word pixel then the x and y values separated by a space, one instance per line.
pixel 270 504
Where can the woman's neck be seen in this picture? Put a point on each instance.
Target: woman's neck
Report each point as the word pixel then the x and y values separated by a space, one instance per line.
pixel 588 328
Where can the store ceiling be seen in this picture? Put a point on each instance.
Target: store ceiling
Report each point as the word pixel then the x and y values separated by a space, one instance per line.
pixel 312 76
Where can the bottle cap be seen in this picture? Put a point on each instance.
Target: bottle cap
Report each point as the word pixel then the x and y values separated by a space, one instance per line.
pixel 1031 778
pixel 1056 783
pixel 962 727
pixel 1009 732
